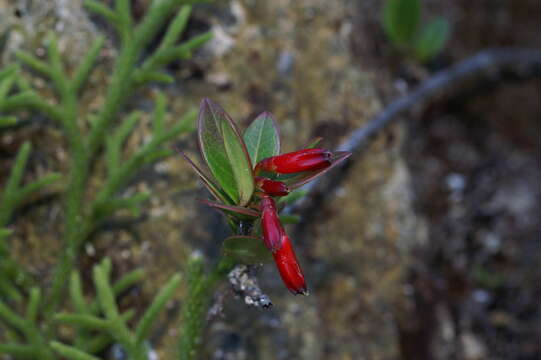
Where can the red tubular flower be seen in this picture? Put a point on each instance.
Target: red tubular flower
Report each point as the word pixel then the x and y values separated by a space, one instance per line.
pixel 289 268
pixel 271 187
pixel 279 243
pixel 270 223
pixel 297 161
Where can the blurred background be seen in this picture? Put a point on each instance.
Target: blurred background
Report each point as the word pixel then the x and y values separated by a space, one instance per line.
pixel 429 247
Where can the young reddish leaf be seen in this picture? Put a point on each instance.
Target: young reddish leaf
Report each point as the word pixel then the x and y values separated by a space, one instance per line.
pixel 211 187
pixel 246 249
pixel 303 178
pixel 262 138
pixel 224 152
pixel 233 210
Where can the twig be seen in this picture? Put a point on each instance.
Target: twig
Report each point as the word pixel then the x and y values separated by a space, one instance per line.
pixel 488 64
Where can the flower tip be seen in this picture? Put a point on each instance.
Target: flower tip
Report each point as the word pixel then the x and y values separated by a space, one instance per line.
pixel 304 291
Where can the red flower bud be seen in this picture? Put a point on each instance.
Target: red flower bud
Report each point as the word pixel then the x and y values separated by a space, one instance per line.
pixel 271 187
pixel 270 223
pixel 289 268
pixel 279 243
pixel 298 161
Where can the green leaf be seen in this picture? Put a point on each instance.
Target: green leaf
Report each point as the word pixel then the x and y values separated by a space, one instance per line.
pixel 401 20
pixel 240 163
pixel 82 320
pixel 225 152
pixel 4 232
pixel 18 350
pixel 70 353
pixel 209 184
pixel 247 249
pixel 7 121
pixel 158 304
pixel 262 138
pixel 432 39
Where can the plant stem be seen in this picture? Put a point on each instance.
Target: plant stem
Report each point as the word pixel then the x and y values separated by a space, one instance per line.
pixel 78 225
pixel 194 311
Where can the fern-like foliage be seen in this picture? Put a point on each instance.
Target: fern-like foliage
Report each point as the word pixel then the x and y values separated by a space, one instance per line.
pixel 31 315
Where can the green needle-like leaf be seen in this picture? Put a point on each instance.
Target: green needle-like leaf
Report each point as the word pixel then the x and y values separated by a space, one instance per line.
pixel 8 71
pixel 71 353
pixel 17 171
pixel 101 9
pixel 6 85
pixel 7 121
pixel 76 293
pixel 5 233
pixel 18 350
pixel 83 71
pixel 128 281
pixel 143 328
pixel 82 320
pixel 34 63
pixel 262 138
pixel 33 305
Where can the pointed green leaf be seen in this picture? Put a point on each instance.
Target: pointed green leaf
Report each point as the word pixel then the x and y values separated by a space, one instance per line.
pixel 158 304
pixel 262 138
pixel 4 232
pixel 240 163
pixel 70 352
pixel 247 249
pixel 401 20
pixel 6 121
pixel 432 39
pixel 225 152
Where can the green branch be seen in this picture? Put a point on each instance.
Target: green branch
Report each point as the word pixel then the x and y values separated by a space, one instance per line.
pixel 201 287
pixel 83 211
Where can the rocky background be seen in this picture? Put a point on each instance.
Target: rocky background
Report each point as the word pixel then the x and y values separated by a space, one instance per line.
pixel 430 248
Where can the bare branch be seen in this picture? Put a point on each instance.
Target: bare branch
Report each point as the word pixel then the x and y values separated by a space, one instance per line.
pixel 489 64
